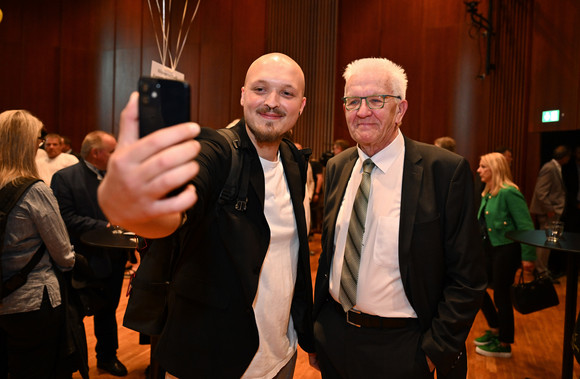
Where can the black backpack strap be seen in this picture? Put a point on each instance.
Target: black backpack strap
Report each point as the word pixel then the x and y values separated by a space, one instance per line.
pixel 17 280
pixel 10 194
pixel 302 157
pixel 231 191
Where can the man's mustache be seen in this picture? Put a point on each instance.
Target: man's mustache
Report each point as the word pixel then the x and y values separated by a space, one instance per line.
pixel 275 110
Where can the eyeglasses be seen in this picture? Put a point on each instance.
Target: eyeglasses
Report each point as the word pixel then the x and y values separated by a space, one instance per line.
pixel 353 103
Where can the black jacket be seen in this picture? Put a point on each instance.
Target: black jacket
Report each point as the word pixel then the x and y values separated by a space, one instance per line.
pixel 440 255
pixel 211 330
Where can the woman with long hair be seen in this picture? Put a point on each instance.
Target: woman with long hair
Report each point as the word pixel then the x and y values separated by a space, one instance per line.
pixel 32 316
pixel 503 208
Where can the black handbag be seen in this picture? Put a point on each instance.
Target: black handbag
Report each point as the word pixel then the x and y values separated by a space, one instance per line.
pixel 533 296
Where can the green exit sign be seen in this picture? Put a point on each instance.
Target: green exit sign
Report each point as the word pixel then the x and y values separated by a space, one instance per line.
pixel 551 116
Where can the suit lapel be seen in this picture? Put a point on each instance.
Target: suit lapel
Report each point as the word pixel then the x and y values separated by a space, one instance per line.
pixel 341 175
pixel 411 190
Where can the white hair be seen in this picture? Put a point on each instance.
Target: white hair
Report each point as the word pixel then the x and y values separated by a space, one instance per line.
pixel 395 73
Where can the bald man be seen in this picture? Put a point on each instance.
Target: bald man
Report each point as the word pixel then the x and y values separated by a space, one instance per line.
pixel 241 296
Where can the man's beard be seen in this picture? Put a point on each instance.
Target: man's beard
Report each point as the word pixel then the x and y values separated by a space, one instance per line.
pixel 270 134
pixel 265 136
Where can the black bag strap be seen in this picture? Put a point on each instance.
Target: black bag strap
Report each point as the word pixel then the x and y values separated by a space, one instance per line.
pixel 302 157
pixel 10 194
pixel 231 191
pixel 17 280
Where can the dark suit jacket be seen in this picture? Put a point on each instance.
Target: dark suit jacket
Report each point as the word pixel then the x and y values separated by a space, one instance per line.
pixel 75 188
pixel 572 212
pixel 440 254
pixel 211 331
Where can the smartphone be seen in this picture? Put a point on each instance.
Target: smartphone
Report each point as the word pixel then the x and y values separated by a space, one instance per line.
pixel 162 103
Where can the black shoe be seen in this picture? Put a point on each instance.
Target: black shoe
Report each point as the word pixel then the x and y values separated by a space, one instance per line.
pixel 113 367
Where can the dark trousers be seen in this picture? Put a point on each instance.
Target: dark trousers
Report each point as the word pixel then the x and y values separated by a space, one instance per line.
pixel 32 340
pixel 347 351
pixel 105 319
pixel 502 263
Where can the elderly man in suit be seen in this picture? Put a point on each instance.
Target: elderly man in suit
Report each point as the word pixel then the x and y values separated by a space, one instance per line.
pixel 75 188
pixel 401 275
pixel 549 199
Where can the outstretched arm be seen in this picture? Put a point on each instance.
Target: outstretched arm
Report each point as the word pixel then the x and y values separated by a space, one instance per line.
pixel 142 171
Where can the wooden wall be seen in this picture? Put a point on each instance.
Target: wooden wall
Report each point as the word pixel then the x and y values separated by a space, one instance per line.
pixel 74 63
pixel 431 40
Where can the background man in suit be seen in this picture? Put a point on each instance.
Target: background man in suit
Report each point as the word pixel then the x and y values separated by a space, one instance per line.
pixel 75 188
pixel 406 306
pixel 241 295
pixel 549 199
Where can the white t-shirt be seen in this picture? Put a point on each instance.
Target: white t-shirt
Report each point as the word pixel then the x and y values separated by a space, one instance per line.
pixel 48 166
pixel 273 300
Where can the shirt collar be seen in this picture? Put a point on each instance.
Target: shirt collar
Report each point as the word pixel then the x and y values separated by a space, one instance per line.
pixel 95 170
pixel 385 158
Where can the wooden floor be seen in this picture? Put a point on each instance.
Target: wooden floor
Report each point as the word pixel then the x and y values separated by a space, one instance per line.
pixel 536 353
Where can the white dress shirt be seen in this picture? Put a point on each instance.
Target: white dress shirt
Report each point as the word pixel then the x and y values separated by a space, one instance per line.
pixel 380 289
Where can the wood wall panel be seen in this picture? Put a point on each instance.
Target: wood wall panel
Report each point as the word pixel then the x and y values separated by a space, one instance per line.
pixel 510 84
pixel 215 60
pixel 248 42
pixel 306 31
pixel 74 63
pixel 11 57
pixel 39 84
pixel 358 30
pixel 432 43
pixel 121 66
pixel 554 81
pixel 86 29
pixel 31 80
pixel 555 64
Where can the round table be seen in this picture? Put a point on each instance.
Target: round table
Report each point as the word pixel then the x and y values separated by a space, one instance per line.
pixel 110 238
pixel 569 243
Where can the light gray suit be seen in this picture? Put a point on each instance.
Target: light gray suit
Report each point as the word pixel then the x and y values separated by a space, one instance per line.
pixel 548 204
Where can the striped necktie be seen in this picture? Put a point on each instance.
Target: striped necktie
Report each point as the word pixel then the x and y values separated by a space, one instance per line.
pixel 356 229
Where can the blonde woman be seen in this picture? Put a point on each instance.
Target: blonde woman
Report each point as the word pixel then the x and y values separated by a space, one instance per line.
pixel 503 208
pixel 31 317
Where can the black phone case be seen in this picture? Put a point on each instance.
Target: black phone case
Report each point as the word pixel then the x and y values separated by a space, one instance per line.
pixel 162 103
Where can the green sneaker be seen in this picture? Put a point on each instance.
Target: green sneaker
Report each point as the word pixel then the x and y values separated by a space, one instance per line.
pixel 494 349
pixel 486 339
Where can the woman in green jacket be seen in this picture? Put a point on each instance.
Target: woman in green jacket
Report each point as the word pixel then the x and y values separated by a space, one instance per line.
pixel 503 208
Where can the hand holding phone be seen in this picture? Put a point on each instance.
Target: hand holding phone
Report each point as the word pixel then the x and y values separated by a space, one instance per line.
pixel 162 103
